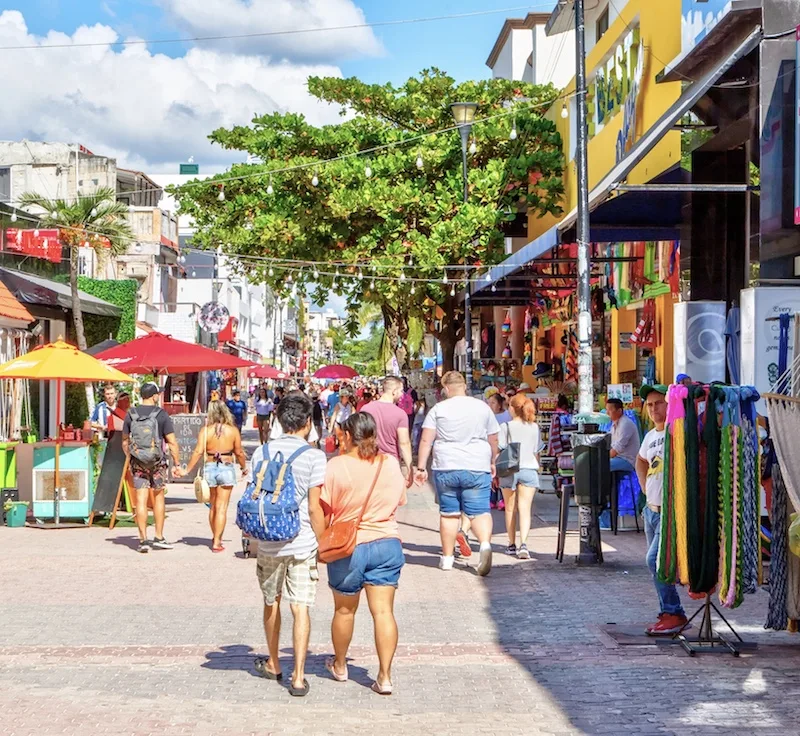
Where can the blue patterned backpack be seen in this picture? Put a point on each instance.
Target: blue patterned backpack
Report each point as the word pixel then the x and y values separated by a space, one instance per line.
pixel 268 510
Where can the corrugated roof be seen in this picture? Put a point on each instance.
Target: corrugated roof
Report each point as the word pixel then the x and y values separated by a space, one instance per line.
pixel 11 308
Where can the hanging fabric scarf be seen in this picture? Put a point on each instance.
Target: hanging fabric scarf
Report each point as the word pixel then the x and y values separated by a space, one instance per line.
pixel 726 510
pixel 751 510
pixel 712 439
pixel 695 514
pixel 776 616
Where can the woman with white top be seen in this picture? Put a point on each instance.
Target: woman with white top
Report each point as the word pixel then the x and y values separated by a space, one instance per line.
pixel 520 488
pixel 264 409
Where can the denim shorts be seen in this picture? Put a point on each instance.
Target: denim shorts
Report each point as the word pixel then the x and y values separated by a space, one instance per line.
pixel 372 563
pixel 523 477
pixel 463 491
pixel 220 474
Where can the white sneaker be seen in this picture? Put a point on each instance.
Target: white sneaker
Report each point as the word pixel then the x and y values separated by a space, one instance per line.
pixel 446 563
pixel 485 564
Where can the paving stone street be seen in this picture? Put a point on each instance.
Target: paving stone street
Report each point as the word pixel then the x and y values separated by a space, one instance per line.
pixel 97 639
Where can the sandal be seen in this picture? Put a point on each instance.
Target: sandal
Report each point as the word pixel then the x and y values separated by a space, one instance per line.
pixel 381 690
pixel 299 692
pixel 260 664
pixel 329 662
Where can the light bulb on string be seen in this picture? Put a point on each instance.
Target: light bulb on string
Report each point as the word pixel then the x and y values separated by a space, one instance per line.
pixel 564 110
pixel 494 287
pixel 402 276
pixel 420 162
pixel 488 278
pixel 372 284
pixel 94 212
pixel 473 147
pixel 270 188
pixel 410 261
pixel 360 274
pixel 13 217
pixel 368 171
pixel 36 233
pixel 221 195
pixel 314 180
pixel 452 290
pixel 413 289
pixel 513 135
pixel 316 273
pixel 444 280
pixel 289 277
pixel 271 271
pixel 194 273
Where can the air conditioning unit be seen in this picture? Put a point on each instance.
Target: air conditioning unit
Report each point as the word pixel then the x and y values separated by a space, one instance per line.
pixel 134 270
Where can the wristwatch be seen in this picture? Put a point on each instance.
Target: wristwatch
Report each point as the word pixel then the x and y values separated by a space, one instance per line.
pixel 421 470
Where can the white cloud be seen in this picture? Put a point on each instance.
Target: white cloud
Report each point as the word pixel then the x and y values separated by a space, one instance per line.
pixel 237 17
pixel 148 110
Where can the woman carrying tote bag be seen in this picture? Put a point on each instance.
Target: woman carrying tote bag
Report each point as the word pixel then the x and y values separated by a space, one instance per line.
pixel 363 489
pixel 520 486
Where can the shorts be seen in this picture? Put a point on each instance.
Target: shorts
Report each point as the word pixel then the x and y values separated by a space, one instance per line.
pixel 372 563
pixel 523 477
pixel 295 581
pixel 220 474
pixel 154 477
pixel 463 491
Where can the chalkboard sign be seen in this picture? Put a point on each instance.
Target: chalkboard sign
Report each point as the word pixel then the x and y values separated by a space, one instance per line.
pixel 109 482
pixel 187 430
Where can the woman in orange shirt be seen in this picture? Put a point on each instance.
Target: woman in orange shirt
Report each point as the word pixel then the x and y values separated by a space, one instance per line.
pixel 378 557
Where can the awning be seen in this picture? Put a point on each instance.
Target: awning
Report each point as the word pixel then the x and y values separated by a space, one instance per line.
pixel 244 352
pixel 41 292
pixel 655 133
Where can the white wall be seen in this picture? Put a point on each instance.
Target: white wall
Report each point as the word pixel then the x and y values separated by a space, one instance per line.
pixel 554 57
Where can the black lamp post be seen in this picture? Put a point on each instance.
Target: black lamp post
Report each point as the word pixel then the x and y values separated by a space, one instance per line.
pixel 464 115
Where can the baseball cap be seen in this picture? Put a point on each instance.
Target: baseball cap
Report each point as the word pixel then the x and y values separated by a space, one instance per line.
pixel 646 390
pixel 149 390
pixel 681 377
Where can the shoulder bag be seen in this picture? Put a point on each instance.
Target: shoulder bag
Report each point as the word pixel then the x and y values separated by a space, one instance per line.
pixel 201 490
pixel 507 461
pixel 339 539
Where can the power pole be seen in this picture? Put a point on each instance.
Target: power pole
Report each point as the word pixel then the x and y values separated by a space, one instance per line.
pixel 585 380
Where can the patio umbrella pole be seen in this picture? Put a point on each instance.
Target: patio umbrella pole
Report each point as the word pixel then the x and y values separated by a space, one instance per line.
pixel 56 475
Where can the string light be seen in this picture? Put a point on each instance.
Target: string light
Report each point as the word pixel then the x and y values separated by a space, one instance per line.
pixel 13 217
pixel 314 180
pixel 413 289
pixel 372 284
pixel 453 291
pixel 221 195
pixel 360 274
pixel 473 147
pixel 494 287
pixel 420 162
pixel 564 110
pixel 194 273
pixel 94 212
pixel 403 276
pixel 368 171
pixel 513 135
pixel 270 189
pixel 36 233
pixel 444 280
pixel 271 271
pixel 316 273
pixel 488 278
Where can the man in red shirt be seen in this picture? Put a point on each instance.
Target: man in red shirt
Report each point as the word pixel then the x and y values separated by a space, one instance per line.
pixel 393 435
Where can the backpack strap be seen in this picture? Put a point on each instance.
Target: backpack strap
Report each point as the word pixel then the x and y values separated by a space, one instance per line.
pixel 299 451
pixel 282 473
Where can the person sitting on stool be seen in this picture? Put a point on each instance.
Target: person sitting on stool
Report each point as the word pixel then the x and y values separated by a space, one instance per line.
pixel 624 447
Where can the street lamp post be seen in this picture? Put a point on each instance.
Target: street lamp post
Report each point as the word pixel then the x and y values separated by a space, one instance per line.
pixel 464 115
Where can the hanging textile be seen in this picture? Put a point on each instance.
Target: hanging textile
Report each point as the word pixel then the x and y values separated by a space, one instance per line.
pixel 777 618
pixel 694 522
pixel 732 329
pixel 708 465
pixel 751 491
pixel 782 384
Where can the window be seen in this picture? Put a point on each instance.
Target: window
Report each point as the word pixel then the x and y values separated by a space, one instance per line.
pixel 602 25
pixel 5 184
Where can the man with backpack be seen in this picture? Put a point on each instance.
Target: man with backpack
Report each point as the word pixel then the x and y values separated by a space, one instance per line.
pixel 146 429
pixel 288 569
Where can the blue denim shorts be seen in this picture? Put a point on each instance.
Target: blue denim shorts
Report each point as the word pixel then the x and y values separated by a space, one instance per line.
pixel 372 563
pixel 523 477
pixel 463 491
pixel 220 474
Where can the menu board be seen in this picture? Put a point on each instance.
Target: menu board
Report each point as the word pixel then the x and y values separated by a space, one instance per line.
pixel 187 430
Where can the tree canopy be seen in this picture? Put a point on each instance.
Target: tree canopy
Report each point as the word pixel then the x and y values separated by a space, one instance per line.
pixel 397 204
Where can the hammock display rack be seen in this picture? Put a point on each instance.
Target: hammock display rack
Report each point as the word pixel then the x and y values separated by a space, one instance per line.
pixel 709 641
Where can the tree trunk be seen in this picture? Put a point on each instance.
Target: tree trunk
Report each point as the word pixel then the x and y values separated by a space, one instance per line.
pixel 77 318
pixel 396 329
pixel 450 332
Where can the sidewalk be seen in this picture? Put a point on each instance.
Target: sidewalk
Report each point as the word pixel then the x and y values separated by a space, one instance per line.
pixel 97 639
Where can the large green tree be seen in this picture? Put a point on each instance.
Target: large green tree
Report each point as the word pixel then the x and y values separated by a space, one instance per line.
pixel 369 216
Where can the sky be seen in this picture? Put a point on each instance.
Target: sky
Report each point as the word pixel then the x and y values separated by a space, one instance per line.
pixel 152 106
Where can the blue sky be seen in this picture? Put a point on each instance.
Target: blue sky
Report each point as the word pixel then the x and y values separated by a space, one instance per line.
pixel 458 46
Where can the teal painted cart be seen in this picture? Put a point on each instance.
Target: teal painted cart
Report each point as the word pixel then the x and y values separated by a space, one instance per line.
pixel 77 480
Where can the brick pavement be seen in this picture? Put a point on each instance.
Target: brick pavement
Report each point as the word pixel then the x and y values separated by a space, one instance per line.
pixel 96 639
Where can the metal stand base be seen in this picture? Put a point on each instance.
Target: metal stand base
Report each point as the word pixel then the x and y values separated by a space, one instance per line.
pixel 708 641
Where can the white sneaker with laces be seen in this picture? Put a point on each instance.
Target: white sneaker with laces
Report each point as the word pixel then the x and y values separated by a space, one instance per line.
pixel 446 563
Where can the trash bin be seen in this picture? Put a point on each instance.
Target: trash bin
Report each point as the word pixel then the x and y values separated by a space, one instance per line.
pixel 16 512
pixel 592 469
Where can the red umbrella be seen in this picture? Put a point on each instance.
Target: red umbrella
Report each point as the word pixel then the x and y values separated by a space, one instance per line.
pixel 162 354
pixel 265 371
pixel 336 371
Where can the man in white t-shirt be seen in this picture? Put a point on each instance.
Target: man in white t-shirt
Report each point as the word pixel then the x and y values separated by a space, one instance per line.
pixel 465 433
pixel 288 570
pixel 650 469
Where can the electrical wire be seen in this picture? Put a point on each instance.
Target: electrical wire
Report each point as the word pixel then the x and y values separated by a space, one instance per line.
pixel 269 34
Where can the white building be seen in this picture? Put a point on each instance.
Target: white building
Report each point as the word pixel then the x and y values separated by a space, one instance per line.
pixel 523 51
pixel 318 342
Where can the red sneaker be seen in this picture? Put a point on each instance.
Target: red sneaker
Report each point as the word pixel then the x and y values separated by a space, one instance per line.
pixel 463 544
pixel 667 624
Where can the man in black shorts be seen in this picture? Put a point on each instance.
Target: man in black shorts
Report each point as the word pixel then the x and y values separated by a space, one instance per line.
pixel 146 429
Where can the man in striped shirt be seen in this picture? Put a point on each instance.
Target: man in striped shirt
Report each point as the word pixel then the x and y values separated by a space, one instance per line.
pixel 104 409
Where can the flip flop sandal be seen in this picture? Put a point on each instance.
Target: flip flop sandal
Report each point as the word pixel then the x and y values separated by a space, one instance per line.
pixel 334 674
pixel 299 692
pixel 260 664
pixel 381 690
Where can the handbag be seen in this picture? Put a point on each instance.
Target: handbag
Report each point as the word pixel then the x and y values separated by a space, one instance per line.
pixel 339 539
pixel 202 491
pixel 507 461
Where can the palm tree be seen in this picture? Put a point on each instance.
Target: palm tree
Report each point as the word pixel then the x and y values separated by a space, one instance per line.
pixel 95 220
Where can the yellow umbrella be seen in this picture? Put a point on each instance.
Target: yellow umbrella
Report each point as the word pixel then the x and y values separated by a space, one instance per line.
pixel 60 361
